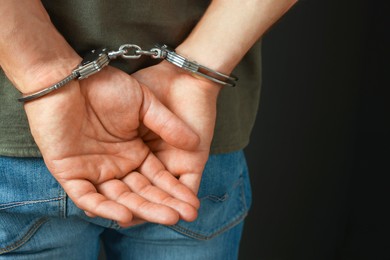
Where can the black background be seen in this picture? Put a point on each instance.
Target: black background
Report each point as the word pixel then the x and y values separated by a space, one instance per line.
pixel 319 154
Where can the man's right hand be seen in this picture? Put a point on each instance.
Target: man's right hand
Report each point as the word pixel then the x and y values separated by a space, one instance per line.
pixel 88 133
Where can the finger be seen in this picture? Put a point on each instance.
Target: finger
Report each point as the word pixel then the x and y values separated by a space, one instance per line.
pixel 139 184
pixel 85 196
pixel 165 124
pixel 89 214
pixel 191 180
pixel 136 221
pixel 187 166
pixel 118 191
pixel 153 169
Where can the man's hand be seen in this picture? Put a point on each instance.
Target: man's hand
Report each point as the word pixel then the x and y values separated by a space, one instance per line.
pixel 88 133
pixel 194 101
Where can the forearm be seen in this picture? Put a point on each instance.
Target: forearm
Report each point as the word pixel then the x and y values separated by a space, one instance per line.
pixel 32 52
pixel 228 29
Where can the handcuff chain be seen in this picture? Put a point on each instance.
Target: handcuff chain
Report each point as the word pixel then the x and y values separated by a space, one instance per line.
pixel 133 51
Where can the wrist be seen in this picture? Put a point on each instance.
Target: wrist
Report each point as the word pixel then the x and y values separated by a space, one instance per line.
pixel 42 75
pixel 197 69
pixel 206 55
pixel 31 69
pixel 201 84
pixel 33 54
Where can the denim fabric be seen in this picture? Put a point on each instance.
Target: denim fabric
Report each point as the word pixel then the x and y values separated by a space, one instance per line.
pixel 38 220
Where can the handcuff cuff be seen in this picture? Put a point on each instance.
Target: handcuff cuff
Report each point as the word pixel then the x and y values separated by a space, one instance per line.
pixel 97 59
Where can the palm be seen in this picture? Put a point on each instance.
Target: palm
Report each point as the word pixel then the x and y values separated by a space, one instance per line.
pixel 91 143
pixel 194 101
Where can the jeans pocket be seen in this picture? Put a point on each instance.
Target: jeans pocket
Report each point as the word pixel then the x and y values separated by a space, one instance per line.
pixel 29 195
pixel 225 197
pixel 17 229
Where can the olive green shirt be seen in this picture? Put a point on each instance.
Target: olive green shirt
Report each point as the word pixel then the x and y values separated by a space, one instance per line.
pixel 90 24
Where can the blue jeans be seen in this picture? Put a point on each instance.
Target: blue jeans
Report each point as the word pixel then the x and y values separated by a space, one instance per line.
pixel 39 221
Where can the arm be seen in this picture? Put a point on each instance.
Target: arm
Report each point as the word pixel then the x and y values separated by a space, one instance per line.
pixel 88 131
pixel 219 41
pixel 229 29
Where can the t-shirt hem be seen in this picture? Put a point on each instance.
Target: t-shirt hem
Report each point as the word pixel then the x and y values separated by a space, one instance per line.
pixel 221 149
pixel 20 152
pixel 34 152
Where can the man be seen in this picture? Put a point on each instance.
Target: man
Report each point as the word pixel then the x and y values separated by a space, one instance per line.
pixel 127 149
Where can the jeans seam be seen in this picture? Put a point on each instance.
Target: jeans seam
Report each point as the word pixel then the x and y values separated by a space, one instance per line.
pixel 216 198
pixel 62 202
pixel 225 196
pixel 26 237
pixel 244 202
pixel 28 202
pixel 114 225
pixel 195 235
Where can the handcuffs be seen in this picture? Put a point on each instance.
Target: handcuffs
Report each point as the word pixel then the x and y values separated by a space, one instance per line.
pixel 97 59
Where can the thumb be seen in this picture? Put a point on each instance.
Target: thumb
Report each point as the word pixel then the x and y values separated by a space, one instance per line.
pixel 164 123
